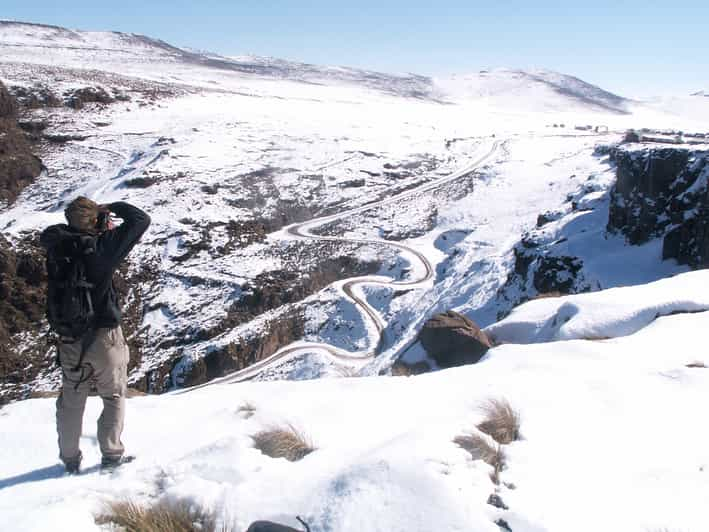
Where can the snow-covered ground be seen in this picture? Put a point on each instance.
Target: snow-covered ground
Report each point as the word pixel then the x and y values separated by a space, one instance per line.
pixel 612 429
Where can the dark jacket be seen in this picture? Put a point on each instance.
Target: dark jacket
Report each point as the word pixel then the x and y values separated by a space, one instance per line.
pixel 111 248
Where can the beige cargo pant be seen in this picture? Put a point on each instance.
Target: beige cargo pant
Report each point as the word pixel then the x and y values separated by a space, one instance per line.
pixel 104 368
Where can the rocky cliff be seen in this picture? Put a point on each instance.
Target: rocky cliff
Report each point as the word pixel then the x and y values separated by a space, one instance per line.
pixel 662 192
pixel 656 195
pixel 18 166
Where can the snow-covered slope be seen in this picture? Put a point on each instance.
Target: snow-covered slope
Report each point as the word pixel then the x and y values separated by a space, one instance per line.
pixel 143 56
pixel 601 425
pixel 518 87
pixel 227 153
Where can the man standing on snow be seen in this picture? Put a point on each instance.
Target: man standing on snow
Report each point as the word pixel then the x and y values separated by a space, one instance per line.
pixel 83 311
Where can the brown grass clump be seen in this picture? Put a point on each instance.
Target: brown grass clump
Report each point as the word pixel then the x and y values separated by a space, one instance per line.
pixel 279 442
pixel 399 369
pixel 696 364
pixel 548 295
pixel 480 448
pixel 402 369
pixel 164 516
pixel 501 421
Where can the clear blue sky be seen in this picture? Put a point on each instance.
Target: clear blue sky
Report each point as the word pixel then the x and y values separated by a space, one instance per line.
pixel 631 47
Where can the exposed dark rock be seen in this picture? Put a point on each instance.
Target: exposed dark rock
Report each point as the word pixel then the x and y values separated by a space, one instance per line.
pixel 210 189
pixel 78 98
pixel 496 501
pixel 274 289
pixel 239 234
pixel 556 274
pixel 269 526
pixel 452 339
pixel 504 525
pixel 247 351
pixel 22 306
pixel 548 217
pixel 643 191
pixel 631 136
pixel 35 97
pixel 18 166
pixel 353 183
pixel 63 138
pixel 33 127
pixel 140 182
pixel 688 243
pixel 664 192
pixel 8 105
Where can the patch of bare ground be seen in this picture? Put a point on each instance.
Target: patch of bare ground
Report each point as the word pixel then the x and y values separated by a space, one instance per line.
pixel 283 442
pixel 180 515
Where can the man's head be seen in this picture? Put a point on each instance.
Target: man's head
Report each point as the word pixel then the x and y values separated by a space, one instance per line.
pixel 84 215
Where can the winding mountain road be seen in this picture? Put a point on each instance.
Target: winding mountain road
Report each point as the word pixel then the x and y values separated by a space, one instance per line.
pixel 374 321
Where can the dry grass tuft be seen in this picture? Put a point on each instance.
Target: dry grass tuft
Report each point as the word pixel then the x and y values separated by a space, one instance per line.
pixel 480 448
pixel 501 421
pixel 402 369
pixel 548 295
pixel 164 516
pixel 288 443
pixel 696 364
pixel 399 369
pixel 246 410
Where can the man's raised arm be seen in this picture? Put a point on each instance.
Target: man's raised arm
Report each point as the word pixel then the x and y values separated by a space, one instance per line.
pixel 117 243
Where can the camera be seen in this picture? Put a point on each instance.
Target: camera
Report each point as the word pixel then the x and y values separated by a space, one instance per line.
pixel 102 222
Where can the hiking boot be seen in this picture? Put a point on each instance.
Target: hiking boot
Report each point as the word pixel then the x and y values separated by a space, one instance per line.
pixel 73 466
pixel 109 463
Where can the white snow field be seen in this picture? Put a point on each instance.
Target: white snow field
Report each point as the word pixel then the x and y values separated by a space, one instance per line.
pixel 613 436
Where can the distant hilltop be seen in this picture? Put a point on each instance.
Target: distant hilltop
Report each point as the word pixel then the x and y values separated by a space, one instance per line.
pixel 150 58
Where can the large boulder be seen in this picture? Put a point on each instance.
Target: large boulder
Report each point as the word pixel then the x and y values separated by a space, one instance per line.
pixel 452 339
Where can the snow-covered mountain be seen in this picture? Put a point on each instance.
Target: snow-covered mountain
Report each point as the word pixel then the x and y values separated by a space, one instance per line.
pixel 123 53
pixel 544 87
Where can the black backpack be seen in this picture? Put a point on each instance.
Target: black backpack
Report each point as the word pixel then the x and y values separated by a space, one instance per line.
pixel 70 310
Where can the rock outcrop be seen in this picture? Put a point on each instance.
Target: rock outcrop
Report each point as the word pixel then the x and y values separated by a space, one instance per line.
pixel 22 304
pixel 663 193
pixel 18 166
pixel 452 339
